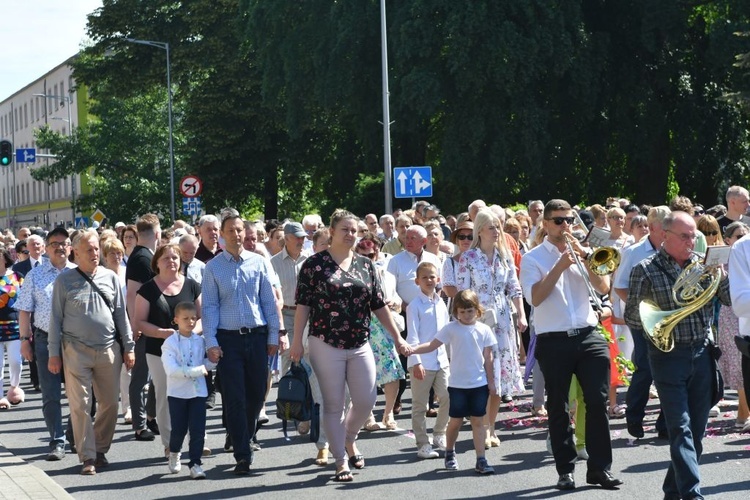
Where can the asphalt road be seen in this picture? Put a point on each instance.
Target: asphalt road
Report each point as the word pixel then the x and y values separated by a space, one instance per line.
pixel 286 470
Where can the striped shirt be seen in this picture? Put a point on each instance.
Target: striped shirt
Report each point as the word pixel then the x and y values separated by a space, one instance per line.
pixel 236 294
pixel 652 280
pixel 287 270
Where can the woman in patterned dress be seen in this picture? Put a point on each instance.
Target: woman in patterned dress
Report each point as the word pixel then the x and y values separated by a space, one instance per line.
pixel 388 369
pixel 10 282
pixel 729 326
pixel 487 268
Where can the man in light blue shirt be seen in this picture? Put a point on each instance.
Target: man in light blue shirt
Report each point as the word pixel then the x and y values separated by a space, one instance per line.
pixel 241 328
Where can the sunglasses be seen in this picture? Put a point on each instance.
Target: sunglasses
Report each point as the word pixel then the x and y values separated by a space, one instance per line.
pixel 711 233
pixel 463 237
pixel 559 220
pixel 699 212
pixel 368 255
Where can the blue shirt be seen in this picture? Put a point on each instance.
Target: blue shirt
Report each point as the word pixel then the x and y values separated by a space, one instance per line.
pixel 238 293
pixel 36 292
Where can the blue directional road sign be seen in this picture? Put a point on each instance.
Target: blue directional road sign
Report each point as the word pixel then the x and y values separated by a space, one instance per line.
pixel 191 206
pixel 27 155
pixel 412 182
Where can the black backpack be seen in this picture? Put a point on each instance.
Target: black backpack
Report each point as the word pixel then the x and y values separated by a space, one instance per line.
pixel 294 401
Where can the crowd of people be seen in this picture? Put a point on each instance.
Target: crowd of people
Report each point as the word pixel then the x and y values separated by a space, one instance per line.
pixel 149 323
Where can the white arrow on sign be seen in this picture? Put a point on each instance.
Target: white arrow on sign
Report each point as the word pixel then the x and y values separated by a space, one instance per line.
pixel 419 183
pixel 402 180
pixel 27 156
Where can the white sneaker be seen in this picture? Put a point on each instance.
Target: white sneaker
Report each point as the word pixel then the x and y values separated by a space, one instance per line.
pixel 714 412
pixel 174 462
pixel 196 472
pixel 438 441
pixel 426 451
pixel 583 454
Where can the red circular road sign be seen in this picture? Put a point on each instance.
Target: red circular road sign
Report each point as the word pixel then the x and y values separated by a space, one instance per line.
pixel 191 186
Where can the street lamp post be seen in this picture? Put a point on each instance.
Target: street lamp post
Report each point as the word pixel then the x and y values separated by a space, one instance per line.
pixel 68 101
pixel 165 46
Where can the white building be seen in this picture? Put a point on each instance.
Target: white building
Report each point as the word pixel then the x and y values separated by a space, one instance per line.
pixel 25 201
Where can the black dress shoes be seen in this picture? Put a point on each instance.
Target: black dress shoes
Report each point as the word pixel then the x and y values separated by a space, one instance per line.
pixel 566 482
pixel 603 478
pixel 635 429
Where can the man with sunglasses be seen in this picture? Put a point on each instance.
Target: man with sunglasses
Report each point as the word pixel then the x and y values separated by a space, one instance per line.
pixel 738 202
pixel 568 344
pixel 683 375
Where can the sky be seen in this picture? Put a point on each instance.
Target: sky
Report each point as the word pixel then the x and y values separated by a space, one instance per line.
pixel 38 35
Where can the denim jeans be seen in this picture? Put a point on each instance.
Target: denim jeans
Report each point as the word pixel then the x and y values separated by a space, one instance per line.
pixel 51 390
pixel 243 369
pixel 188 415
pixel 683 379
pixel 640 383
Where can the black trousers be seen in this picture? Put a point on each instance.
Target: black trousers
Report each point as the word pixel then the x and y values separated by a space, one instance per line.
pixel 586 356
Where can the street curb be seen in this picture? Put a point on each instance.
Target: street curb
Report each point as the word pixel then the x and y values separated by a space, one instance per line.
pixel 21 480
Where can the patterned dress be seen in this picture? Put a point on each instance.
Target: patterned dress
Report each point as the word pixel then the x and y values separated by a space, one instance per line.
pixel 496 284
pixel 730 362
pixel 387 363
pixel 10 284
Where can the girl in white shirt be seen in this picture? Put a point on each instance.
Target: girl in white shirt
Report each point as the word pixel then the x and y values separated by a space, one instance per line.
pixel 471 374
pixel 183 356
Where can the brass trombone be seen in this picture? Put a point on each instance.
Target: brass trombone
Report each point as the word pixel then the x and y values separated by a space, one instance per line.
pixel 603 260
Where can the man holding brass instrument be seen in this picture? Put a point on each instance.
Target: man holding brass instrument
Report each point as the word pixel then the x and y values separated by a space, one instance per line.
pixel 669 298
pixel 561 287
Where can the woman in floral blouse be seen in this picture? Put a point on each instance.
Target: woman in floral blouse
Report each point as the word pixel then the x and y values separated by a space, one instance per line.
pixel 337 290
pixel 487 269
pixel 10 283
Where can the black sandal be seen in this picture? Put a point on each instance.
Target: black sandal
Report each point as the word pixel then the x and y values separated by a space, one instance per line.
pixel 357 461
pixel 343 476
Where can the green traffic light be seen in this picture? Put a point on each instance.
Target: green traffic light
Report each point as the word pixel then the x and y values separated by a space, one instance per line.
pixel 5 161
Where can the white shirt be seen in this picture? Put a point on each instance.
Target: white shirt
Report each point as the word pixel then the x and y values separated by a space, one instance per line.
pixel 426 317
pixel 467 343
pixel 403 266
pixel 183 359
pixel 287 269
pixel 567 306
pixel 739 282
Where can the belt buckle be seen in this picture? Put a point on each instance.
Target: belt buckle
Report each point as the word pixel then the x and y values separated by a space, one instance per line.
pixel 244 330
pixel 573 332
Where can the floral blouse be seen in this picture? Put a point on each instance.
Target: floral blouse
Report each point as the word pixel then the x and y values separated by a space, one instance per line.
pixel 10 284
pixel 340 301
pixel 494 284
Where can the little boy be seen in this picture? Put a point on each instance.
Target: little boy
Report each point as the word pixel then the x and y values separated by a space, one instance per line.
pixel 471 374
pixel 426 315
pixel 185 363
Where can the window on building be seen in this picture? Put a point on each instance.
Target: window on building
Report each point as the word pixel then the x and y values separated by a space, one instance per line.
pixel 57 101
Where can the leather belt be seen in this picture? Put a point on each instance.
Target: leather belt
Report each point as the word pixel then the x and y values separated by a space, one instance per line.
pixel 245 330
pixel 289 308
pixel 39 330
pixel 573 332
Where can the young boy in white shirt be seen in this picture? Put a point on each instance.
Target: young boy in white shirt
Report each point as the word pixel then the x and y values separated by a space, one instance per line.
pixel 471 374
pixel 426 315
pixel 184 357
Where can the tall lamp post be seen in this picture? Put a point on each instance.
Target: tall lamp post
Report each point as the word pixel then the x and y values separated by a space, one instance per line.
pixel 68 101
pixel 165 46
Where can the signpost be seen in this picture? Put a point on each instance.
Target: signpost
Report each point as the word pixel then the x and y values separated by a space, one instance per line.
pixel 25 155
pixel 191 186
pixel 412 182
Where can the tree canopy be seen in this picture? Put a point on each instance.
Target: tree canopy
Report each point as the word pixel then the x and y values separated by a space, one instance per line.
pixel 277 104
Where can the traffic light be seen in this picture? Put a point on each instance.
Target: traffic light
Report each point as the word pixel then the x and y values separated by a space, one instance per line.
pixel 6 153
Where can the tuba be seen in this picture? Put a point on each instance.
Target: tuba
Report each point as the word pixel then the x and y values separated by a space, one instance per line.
pixel 695 286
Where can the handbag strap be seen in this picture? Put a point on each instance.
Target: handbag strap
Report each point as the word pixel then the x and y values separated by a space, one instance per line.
pixel 97 290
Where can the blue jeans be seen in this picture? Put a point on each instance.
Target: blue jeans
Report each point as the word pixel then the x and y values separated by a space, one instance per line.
pixel 51 390
pixel 188 415
pixel 640 383
pixel 243 369
pixel 683 379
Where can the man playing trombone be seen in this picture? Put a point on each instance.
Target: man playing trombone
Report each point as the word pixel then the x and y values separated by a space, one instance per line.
pixel 678 351
pixel 562 289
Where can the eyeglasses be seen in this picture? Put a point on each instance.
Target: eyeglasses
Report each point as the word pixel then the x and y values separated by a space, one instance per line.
pixel 559 220
pixel 685 237
pixel 699 212
pixel 711 233
pixel 463 237
pixel 59 244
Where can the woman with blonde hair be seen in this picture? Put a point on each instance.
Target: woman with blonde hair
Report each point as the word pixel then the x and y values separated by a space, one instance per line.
pixel 487 268
pixel 709 226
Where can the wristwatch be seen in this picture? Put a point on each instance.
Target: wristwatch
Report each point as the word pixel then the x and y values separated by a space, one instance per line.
pixel 25 338
pixel 282 332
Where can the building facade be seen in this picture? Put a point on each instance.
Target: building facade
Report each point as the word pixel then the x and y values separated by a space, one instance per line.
pixel 51 101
